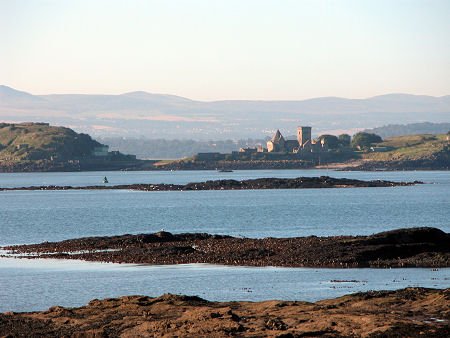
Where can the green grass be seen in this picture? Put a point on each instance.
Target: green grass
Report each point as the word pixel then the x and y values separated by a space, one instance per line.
pixel 409 147
pixel 36 141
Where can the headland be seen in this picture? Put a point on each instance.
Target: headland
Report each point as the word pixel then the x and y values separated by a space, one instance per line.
pixel 35 147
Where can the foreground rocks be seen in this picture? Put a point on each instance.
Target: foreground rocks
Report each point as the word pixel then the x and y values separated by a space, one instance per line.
pixel 414 247
pixel 259 183
pixel 410 312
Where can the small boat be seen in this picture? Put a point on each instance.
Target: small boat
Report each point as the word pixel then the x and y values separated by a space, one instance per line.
pixel 105 180
pixel 225 171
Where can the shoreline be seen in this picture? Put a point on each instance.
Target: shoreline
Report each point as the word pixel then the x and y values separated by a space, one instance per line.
pixel 229 184
pixel 408 312
pixel 413 247
pixel 179 165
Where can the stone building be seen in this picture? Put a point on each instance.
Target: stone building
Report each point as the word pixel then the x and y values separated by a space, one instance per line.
pixel 276 144
pixel 303 136
pixel 304 143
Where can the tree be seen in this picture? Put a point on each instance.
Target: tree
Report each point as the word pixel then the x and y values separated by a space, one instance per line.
pixel 344 140
pixel 364 140
pixel 330 140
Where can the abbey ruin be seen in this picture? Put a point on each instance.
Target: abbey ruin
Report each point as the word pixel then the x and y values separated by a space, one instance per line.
pixel 303 143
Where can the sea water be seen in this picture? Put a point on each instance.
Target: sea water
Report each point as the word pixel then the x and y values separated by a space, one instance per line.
pixel 37 216
pixel 34 285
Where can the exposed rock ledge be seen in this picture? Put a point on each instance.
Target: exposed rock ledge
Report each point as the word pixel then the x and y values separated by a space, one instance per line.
pixel 259 183
pixel 410 312
pixel 414 247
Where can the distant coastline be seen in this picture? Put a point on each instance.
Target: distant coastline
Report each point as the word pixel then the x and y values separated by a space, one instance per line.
pixel 39 147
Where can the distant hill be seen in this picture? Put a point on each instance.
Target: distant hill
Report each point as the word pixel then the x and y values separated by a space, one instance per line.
pixel 412 128
pixel 158 116
pixel 41 147
pixel 37 141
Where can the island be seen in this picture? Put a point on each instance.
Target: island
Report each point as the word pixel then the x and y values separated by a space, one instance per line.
pixel 251 184
pixel 364 151
pixel 410 247
pixel 31 147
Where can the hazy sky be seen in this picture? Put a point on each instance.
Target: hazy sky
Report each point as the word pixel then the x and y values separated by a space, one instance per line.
pixel 210 50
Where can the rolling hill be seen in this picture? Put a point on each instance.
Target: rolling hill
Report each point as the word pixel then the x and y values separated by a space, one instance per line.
pixel 41 147
pixel 142 114
pixel 37 141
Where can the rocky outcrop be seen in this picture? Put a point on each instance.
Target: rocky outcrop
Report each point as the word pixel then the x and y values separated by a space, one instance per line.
pixel 415 247
pixel 410 312
pixel 259 183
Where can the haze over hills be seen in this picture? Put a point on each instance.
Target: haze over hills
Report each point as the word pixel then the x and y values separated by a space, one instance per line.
pixel 142 114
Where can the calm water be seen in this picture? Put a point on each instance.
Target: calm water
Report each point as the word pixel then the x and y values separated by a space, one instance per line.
pixel 36 216
pixel 183 177
pixel 31 285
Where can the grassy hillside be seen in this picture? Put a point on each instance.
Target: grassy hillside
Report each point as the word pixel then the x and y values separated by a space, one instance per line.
pixel 410 148
pixel 39 141
pixel 392 130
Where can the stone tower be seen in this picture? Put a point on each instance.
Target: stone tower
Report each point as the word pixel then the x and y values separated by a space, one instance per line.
pixel 303 135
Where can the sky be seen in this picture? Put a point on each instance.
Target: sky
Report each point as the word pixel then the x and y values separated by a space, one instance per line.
pixel 215 50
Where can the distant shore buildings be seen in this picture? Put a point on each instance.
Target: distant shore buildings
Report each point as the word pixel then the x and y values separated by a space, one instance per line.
pixel 303 143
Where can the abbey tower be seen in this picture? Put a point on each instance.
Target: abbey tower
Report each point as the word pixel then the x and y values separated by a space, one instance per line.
pixel 303 136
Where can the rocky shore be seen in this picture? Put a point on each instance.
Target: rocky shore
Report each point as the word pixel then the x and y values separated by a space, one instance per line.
pixel 410 312
pixel 259 183
pixel 414 247
pixel 45 165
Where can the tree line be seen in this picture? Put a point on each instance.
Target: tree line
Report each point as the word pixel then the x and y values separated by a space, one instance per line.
pixel 361 140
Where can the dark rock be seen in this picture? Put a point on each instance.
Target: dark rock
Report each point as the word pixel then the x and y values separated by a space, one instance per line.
pixel 408 236
pixel 415 247
pixel 259 183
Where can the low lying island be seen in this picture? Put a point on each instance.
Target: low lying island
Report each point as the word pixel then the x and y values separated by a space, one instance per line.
pixel 258 183
pixel 413 247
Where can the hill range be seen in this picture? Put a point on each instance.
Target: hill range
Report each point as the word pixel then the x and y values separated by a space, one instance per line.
pixel 141 114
